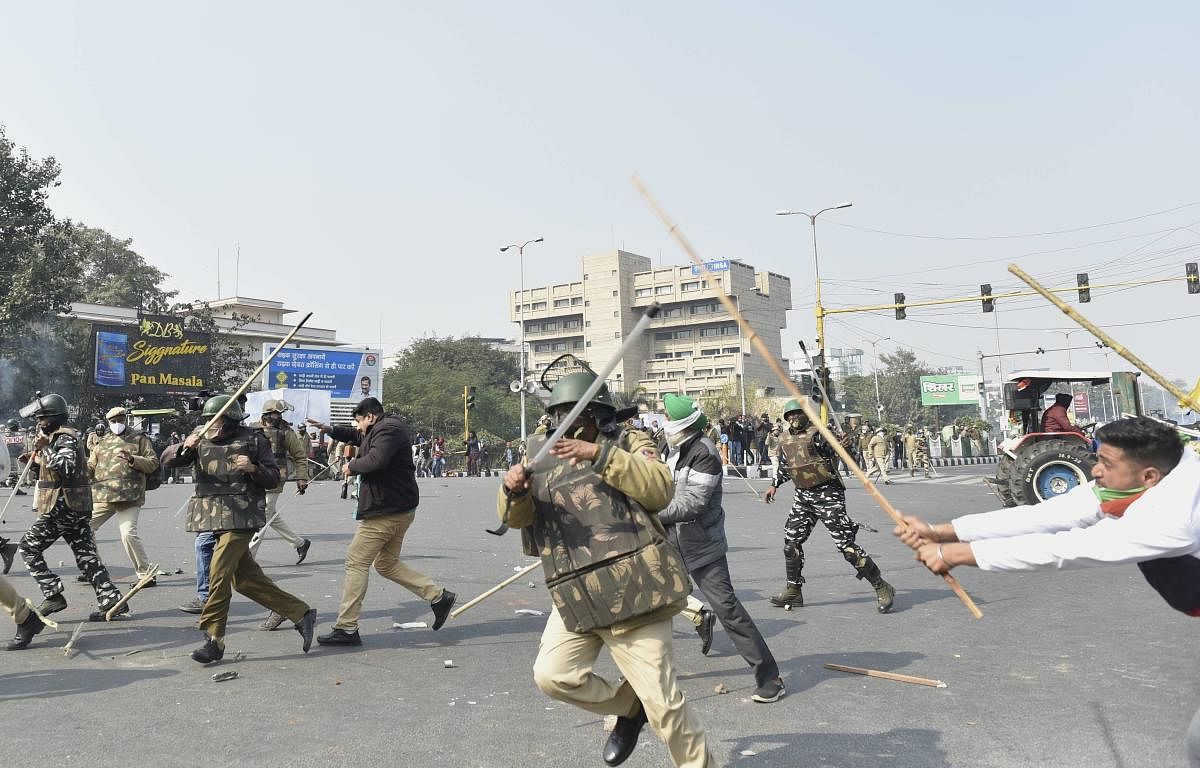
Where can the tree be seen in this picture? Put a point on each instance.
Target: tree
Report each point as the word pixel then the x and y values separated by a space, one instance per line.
pixel 426 388
pixel 116 275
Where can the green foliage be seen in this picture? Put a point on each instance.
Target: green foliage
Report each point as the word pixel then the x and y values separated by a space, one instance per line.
pixel 116 275
pixel 426 385
pixel 899 392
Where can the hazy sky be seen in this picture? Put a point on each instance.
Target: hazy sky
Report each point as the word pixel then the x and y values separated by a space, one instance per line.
pixel 371 158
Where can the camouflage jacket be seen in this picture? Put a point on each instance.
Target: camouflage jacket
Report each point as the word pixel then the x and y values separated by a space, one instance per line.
pixel 806 459
pixel 113 480
pixel 285 445
pixel 62 473
pixel 604 552
pixel 226 499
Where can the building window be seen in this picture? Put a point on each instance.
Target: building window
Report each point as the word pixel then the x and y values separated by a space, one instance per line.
pixel 578 344
pixel 693 285
pixel 684 334
pixel 615 294
pixel 572 324
pixel 643 292
pixel 723 371
pixel 730 350
pixel 537 305
pixel 560 346
pixel 662 355
pixel 693 393
pixel 673 312
pixel 704 372
pixel 660 290
pixel 709 332
pixel 587 343
pixel 587 303
pixel 541 347
pixel 585 275
pixel 706 352
pixel 674 374
pixel 576 301
pixel 616 334
pixel 532 327
pixel 587 323
pixel 663 335
pixel 684 353
pixel 517 309
pixel 562 302
pixel 550 326
pixel 614 273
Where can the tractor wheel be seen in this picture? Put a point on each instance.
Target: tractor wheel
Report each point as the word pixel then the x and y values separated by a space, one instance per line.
pixel 1051 468
pixel 1001 484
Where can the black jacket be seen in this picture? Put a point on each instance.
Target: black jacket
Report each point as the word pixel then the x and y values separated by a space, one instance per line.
pixel 388 478
pixel 695 519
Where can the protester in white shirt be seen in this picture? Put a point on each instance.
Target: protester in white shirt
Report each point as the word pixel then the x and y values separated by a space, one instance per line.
pixel 1143 507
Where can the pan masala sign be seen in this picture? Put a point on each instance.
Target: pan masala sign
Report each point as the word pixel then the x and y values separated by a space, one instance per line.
pixel 159 356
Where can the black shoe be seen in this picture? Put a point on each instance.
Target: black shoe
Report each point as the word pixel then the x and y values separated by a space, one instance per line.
pixel 624 738
pixel 771 692
pixel 209 653
pixel 102 614
pixel 8 551
pixel 302 551
pixel 25 632
pixel 196 605
pixel 271 623
pixel 81 579
pixel 441 608
pixel 306 626
pixel 340 637
pixel 705 630
pixel 344 490
pixel 21 493
pixel 52 604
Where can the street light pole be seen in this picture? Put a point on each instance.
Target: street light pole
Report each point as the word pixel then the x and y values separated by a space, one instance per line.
pixel 521 351
pixel 875 354
pixel 820 308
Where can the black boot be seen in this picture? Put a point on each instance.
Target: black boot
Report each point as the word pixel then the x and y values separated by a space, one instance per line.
pixel 25 632
pixel 52 604
pixel 793 563
pixel 705 630
pixel 790 597
pixel 209 653
pixel 624 738
pixel 8 551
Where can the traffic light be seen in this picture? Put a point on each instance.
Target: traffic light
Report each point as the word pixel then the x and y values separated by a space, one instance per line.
pixel 470 395
pixel 1193 277
pixel 899 302
pixel 1085 291
pixel 989 304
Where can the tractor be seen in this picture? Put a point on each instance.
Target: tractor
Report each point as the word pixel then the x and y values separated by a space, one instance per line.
pixel 1035 465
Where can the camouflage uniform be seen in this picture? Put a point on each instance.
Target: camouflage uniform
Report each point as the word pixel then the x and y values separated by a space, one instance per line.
pixel 64 505
pixel 119 489
pixel 615 582
pixel 920 456
pixel 232 505
pixel 285 445
pixel 820 495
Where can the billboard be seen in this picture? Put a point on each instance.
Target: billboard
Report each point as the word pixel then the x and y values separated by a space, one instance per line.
pixel 158 356
pixel 344 374
pixel 950 390
pixel 1083 409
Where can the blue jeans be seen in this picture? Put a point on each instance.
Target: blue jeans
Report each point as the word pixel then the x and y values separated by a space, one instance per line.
pixel 735 451
pixel 205 542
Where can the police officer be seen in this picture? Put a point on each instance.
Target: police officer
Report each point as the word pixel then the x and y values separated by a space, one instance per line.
pixel 808 461
pixel 618 590
pixel 94 435
pixel 118 465
pixel 15 442
pixel 233 467
pixel 64 506
pixel 920 454
pixel 878 450
pixel 28 622
pixel 285 444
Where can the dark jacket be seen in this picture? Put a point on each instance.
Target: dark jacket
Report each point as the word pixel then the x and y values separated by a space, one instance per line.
pixel 1055 420
pixel 695 519
pixel 388 478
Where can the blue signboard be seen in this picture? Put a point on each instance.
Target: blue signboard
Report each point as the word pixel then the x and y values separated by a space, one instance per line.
pixel 344 374
pixel 713 266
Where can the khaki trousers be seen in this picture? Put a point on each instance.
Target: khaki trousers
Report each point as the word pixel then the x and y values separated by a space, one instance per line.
pixel 127 522
pixel 233 568
pixel 12 602
pixel 563 671
pixel 377 542
pixel 279 524
pixel 879 467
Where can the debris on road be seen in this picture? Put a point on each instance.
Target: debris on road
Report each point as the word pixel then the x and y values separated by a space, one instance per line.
pixel 720 688
pixel 221 677
pixel 409 625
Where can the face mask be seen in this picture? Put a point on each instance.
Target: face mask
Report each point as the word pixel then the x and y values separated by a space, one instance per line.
pixel 116 427
pixel 1114 502
pixel 796 423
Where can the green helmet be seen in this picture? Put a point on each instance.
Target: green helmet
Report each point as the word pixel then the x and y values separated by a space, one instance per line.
pixel 214 404
pixel 791 407
pixel 14 425
pixel 570 388
pixel 50 406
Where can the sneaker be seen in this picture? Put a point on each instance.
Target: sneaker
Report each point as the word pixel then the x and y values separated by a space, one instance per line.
pixel 306 626
pixel 340 637
pixel 770 692
pixel 441 608
pixel 8 551
pixel 102 614
pixel 302 551
pixel 196 605
pixel 271 623
pixel 705 630
pixel 209 653
pixel 52 604
pixel 25 632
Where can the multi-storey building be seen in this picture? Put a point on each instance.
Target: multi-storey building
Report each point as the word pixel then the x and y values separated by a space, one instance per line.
pixel 693 346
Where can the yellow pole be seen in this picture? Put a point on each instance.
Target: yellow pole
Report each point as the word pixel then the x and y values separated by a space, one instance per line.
pixel 466 416
pixel 1191 400
pixel 809 411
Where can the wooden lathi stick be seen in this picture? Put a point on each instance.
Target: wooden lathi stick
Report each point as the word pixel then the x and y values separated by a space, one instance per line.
pixel 886 675
pixel 494 590
pixel 151 574
pixel 813 416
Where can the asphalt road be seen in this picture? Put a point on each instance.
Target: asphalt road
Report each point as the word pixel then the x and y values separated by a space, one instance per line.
pixel 1078 668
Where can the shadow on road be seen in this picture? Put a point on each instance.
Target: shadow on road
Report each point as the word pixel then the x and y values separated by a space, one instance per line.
pixel 67 682
pixel 907 747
